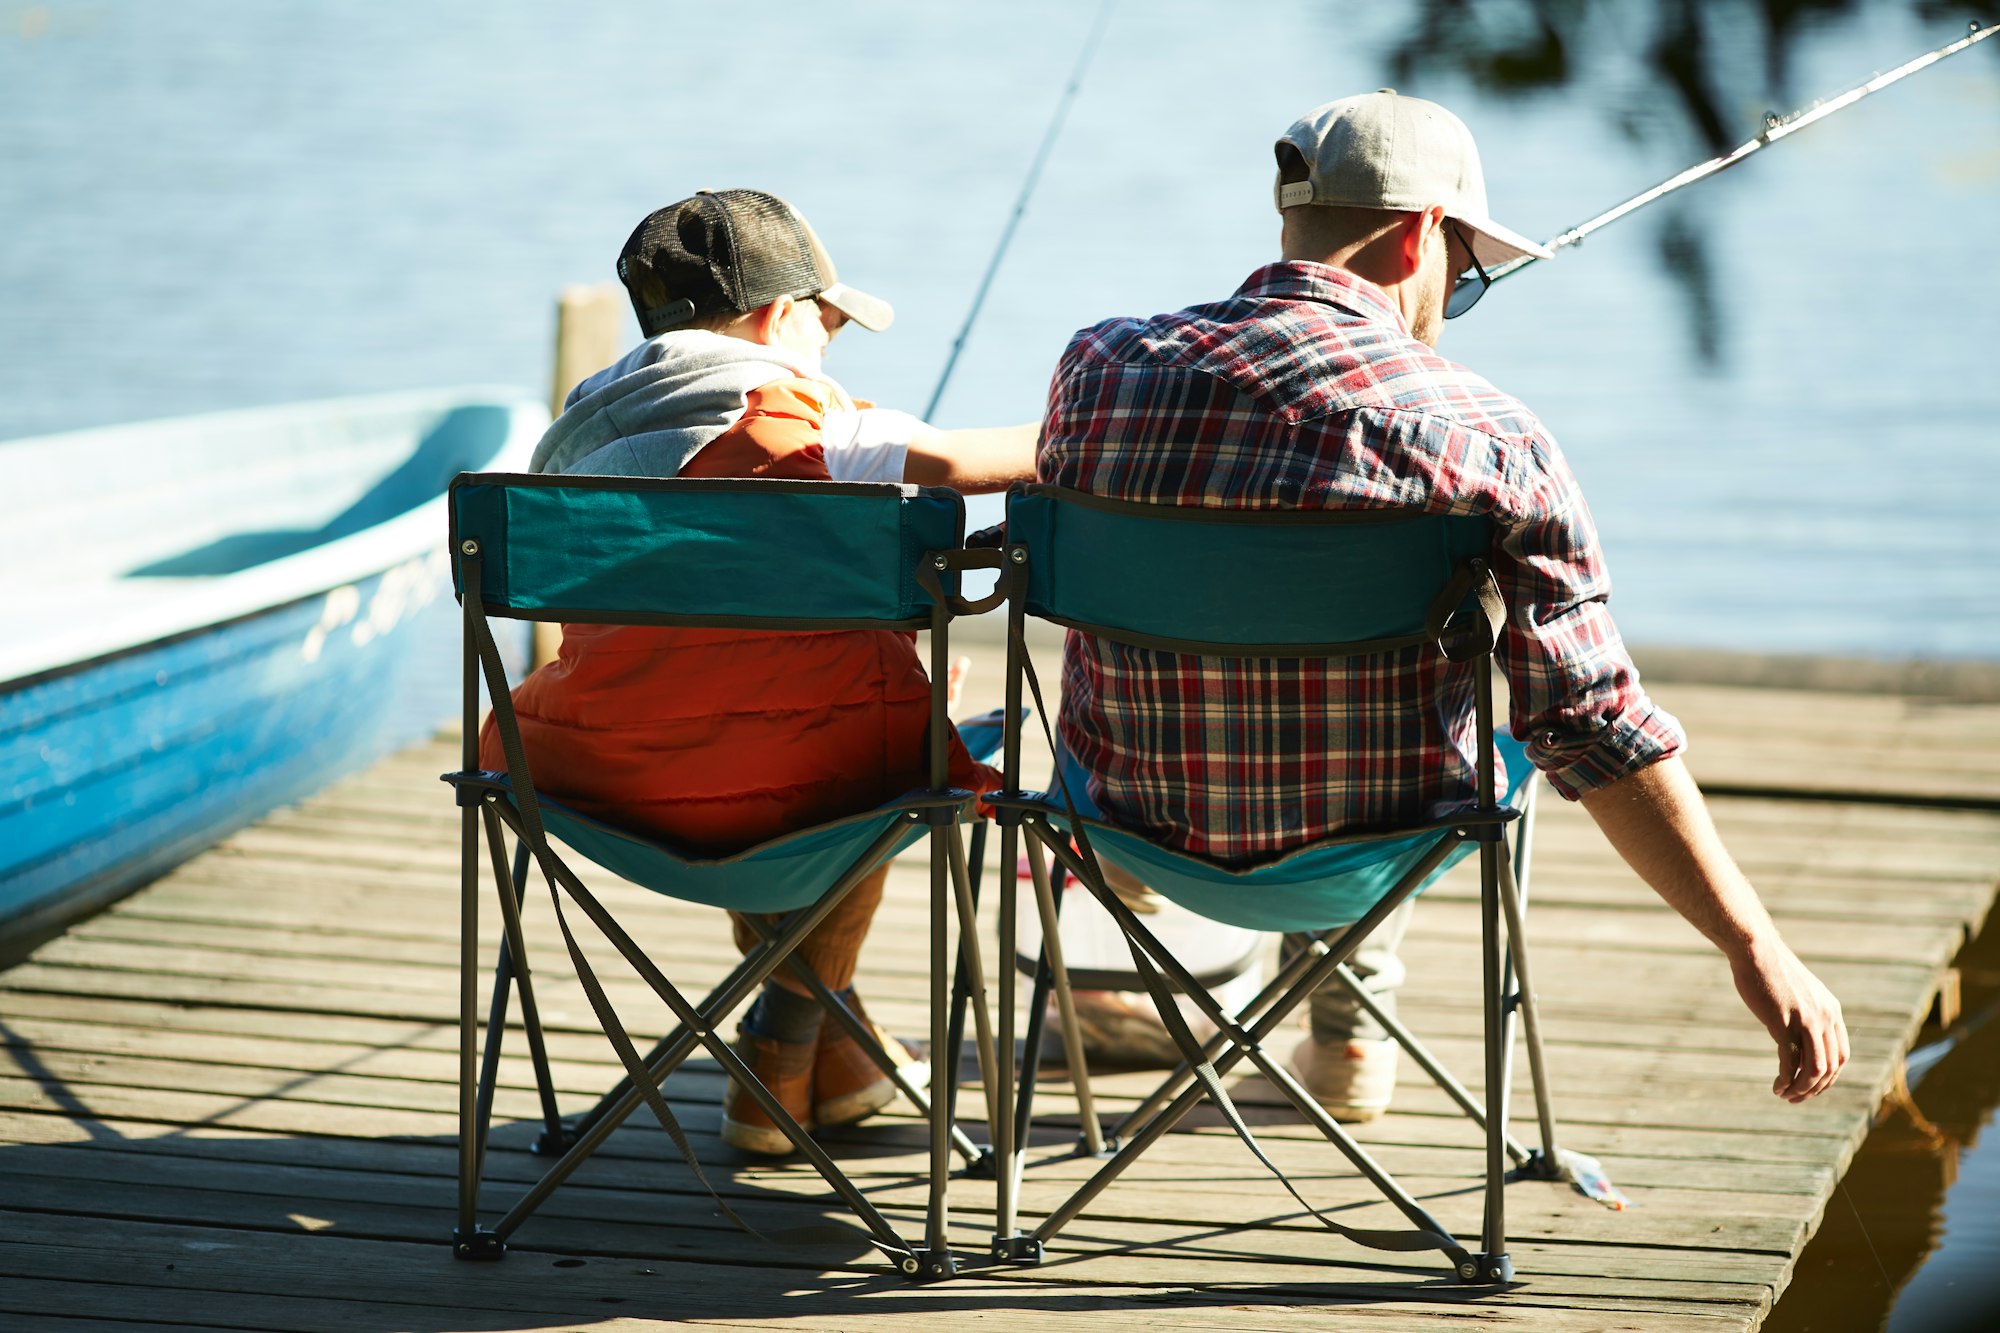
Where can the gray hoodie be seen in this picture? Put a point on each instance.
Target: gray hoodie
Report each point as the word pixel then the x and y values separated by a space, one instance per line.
pixel 660 405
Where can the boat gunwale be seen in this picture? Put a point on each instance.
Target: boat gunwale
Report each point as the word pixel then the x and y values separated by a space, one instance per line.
pixel 291 579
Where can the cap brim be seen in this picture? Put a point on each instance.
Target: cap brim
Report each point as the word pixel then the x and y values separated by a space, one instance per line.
pixel 1493 244
pixel 870 312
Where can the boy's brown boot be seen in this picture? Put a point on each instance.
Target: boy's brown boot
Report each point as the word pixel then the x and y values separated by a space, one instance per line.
pixel 847 1084
pixel 784 1067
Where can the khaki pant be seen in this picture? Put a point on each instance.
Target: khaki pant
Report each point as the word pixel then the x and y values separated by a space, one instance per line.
pixel 1336 1014
pixel 834 946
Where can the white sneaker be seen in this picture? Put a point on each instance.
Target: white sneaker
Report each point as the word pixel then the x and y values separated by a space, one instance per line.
pixel 1352 1079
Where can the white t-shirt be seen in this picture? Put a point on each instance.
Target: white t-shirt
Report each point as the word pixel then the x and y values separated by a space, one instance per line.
pixel 867 444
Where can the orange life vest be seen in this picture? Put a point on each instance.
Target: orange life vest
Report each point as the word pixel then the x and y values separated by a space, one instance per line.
pixel 716 739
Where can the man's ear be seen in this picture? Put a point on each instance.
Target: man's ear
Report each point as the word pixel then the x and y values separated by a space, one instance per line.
pixel 1411 235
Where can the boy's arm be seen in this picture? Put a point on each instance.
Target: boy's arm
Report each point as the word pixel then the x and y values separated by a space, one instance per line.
pixel 973 461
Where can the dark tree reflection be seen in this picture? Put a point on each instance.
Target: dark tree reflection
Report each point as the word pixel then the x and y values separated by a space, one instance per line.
pixel 1696 62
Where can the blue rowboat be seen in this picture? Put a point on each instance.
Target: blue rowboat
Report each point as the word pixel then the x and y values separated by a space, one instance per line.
pixel 209 617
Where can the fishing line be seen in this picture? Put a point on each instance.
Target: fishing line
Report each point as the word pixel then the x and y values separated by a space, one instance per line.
pixel 1867 1239
pixel 1021 201
pixel 1776 127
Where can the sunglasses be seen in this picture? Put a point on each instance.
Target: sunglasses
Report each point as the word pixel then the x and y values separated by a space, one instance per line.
pixel 1465 293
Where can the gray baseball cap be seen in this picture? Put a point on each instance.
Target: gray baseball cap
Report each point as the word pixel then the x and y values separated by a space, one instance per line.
pixel 1384 150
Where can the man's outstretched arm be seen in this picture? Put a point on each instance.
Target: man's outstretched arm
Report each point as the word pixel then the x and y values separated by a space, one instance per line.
pixel 1657 821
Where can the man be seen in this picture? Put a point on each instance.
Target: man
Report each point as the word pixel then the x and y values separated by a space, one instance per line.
pixel 717 739
pixel 1317 386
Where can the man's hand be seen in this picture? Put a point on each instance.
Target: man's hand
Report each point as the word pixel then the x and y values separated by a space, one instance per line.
pixel 1657 821
pixel 1801 1015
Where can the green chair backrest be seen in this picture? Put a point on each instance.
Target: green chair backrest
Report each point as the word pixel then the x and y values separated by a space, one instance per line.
pixel 694 551
pixel 1238 582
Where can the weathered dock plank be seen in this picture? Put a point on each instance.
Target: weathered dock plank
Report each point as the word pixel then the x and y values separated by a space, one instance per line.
pixel 230 1102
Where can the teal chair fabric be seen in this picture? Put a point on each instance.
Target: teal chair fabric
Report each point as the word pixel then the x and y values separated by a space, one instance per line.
pixel 777 555
pixel 703 551
pixel 783 874
pixel 1300 583
pixel 1316 888
pixel 1190 576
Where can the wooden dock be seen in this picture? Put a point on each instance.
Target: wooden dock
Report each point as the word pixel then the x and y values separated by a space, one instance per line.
pixel 229 1102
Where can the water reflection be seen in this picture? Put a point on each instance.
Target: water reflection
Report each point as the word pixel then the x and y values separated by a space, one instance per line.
pixel 1657 70
pixel 1908 1244
pixel 446 168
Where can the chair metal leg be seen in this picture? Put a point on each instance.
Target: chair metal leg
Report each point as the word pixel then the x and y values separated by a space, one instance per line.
pixel 1001 1074
pixel 1010 1244
pixel 506 976
pixel 945 1062
pixel 1426 1061
pixel 728 993
pixel 1033 1038
pixel 1491 1263
pixel 1523 1003
pixel 469 1136
pixel 850 1023
pixel 1514 899
pixel 1287 977
pixel 938 1261
pixel 1324 958
pixel 1050 911
pixel 984 1042
pixel 886 1237
pixel 496 1009
pixel 936 1254
pixel 700 1027
pixel 1336 1133
pixel 682 1042
pixel 1191 1096
pixel 671 1049
pixel 1013 1246
pixel 468 1240
pixel 1235 1051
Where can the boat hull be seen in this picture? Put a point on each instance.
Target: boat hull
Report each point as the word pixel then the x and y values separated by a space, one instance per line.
pixel 117 768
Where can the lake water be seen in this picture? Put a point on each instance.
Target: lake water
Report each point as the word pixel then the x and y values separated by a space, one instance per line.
pixel 216 203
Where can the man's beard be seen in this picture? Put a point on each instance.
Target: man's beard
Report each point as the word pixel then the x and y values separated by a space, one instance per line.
pixel 1427 325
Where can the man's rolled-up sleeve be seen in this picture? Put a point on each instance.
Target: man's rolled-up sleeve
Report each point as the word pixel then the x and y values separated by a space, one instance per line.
pixel 1576 697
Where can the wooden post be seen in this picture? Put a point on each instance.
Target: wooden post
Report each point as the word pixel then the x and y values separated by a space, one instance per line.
pixel 590 331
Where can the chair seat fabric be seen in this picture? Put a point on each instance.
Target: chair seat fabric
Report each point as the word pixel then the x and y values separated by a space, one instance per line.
pixel 1318 887
pixel 779 875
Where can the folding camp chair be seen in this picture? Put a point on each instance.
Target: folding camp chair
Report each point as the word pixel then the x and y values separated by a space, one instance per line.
pixel 1271 584
pixel 775 555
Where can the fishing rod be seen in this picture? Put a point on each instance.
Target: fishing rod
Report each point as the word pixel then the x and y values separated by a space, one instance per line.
pixel 1776 127
pixel 1021 200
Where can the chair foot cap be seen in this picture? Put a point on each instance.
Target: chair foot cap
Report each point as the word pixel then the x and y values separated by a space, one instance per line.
pixel 928 1265
pixel 477 1245
pixel 1109 1148
pixel 554 1142
pixel 1017 1249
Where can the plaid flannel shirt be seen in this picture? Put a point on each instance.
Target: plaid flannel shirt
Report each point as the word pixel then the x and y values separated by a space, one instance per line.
pixel 1306 390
